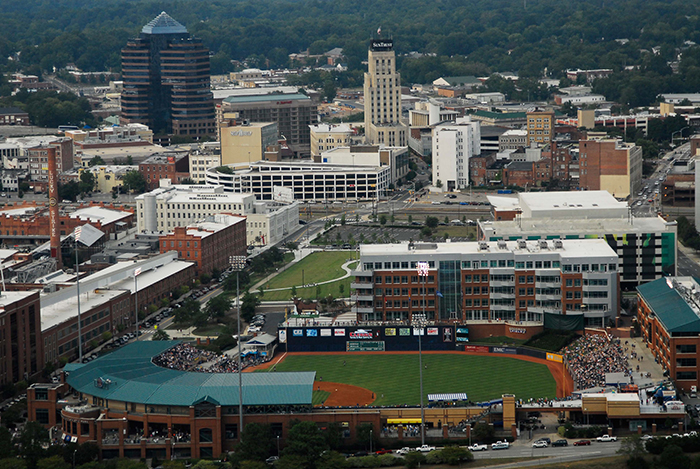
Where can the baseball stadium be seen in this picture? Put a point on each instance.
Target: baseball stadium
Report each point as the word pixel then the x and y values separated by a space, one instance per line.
pixel 167 399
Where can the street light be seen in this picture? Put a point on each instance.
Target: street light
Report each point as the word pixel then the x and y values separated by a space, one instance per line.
pixel 678 131
pixel 238 264
pixel 278 446
pixel 423 269
pixel 76 235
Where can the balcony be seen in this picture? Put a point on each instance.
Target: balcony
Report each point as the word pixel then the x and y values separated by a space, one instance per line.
pixel 362 309
pixel 362 285
pixel 362 297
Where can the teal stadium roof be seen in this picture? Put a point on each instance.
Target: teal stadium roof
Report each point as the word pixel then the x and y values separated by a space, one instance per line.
pixel 267 97
pixel 670 307
pixel 133 377
pixel 163 24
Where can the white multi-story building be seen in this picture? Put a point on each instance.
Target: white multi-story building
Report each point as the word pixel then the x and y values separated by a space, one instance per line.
pixel 370 155
pixel 170 206
pixel 453 145
pixel 318 182
pixel 200 162
pixel 382 94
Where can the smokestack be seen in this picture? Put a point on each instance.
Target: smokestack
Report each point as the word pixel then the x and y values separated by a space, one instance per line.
pixel 53 207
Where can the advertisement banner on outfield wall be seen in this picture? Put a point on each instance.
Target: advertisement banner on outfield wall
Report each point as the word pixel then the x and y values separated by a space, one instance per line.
pixel 339 332
pixel 509 350
pixel 476 348
pixel 554 357
pixel 283 336
pixel 325 332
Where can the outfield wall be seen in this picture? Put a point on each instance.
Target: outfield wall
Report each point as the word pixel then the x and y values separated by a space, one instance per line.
pixel 372 339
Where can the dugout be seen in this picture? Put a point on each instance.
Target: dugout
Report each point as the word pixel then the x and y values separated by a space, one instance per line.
pixel 368 339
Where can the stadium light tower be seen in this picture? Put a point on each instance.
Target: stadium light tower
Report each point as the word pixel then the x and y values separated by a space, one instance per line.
pixel 423 269
pixel 76 237
pixel 238 264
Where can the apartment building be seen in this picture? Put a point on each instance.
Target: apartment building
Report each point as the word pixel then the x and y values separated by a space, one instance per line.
pixel 504 280
pixel 170 165
pixel 453 145
pixel 540 126
pixel 200 161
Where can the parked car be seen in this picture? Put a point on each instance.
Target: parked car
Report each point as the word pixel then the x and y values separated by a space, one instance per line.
pixel 272 459
pixel 478 447
pixel 647 437
pixel 539 444
pixel 582 443
pixel 403 451
pixel 606 438
pixel 500 445
pixel 560 443
pixel 425 448
pixel 546 440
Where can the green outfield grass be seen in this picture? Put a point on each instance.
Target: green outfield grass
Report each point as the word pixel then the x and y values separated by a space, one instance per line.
pixel 319 397
pixel 316 267
pixel 332 288
pixel 394 377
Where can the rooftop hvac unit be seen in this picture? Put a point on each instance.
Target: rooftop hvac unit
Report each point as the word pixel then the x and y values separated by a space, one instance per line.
pixel 543 244
pixel 558 244
pixel 483 246
pixel 501 244
pixel 522 244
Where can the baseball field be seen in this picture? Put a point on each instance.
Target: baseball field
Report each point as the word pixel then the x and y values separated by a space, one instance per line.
pixel 394 377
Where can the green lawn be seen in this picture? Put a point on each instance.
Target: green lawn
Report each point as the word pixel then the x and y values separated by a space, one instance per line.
pixel 316 267
pixel 394 378
pixel 332 288
pixel 319 397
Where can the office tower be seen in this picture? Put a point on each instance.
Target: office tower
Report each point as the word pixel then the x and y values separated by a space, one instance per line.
pixel 166 78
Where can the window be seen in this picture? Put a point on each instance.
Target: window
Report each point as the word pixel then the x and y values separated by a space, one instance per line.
pixel 205 435
pixel 41 394
pixel 42 416
pixel 681 375
pixel 685 348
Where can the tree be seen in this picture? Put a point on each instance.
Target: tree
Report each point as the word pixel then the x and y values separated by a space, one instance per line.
pixel 292 462
pixel 431 222
pixel 382 219
pixel 6 447
pixel 133 181
pixel 454 455
pixel 13 463
pixel 87 182
pixel 69 191
pixel 160 334
pixel 438 184
pixel 248 305
pixel 673 457
pixel 294 291
pixel 305 440
pixel 256 442
pixel 331 460
pixel 483 432
pixel 253 465
pixel 96 161
pixel 341 288
pixel 54 462
pixel 32 440
pixel 413 459
pixel 364 432
pixel 218 306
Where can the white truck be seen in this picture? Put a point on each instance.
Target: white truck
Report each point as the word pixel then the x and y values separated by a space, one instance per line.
pixel 425 448
pixel 606 438
pixel 500 445
pixel 477 447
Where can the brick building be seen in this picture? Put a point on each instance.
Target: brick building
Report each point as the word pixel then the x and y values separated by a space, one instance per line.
pixel 38 158
pixel 504 280
pixel 172 166
pixel 13 116
pixel 610 165
pixel 519 173
pixel 668 310
pixel 208 243
pixel 678 190
pixel 21 347
pixel 540 126
pixel 31 222
pixel 479 169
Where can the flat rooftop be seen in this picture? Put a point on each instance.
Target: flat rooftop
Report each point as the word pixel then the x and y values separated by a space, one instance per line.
pixel 102 215
pixel 563 200
pixel 571 248
pixel 66 308
pixel 572 226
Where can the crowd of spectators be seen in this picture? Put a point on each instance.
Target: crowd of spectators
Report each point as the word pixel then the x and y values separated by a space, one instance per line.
pixel 592 356
pixel 186 357
pixel 183 357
